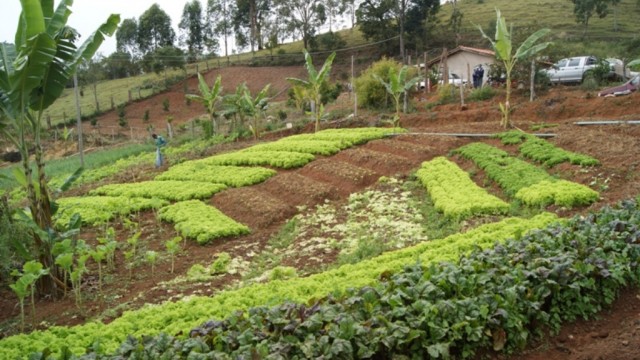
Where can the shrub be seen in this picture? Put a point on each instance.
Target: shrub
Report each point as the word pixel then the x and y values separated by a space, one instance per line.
pixel 448 94
pixel 371 93
pixel 482 94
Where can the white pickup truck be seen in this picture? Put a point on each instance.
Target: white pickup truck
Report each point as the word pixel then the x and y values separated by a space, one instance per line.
pixel 573 70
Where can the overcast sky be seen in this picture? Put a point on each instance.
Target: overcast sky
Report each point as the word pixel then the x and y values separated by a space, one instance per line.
pixel 89 14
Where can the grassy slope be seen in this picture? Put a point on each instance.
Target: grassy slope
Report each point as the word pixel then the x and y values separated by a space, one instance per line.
pixel 555 14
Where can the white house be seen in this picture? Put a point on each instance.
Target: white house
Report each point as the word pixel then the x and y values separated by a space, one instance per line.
pixel 463 59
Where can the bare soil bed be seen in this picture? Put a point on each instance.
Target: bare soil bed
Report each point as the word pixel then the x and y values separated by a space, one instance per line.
pixel 266 207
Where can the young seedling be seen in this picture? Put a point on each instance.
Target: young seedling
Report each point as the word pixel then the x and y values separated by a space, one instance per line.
pixel 63 252
pixel 151 257
pixel 36 270
pixel 98 255
pixel 21 289
pixel 133 242
pixel 76 276
pixel 173 247
pixel 130 256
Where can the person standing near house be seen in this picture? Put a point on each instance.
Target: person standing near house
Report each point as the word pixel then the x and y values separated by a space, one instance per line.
pixel 478 76
pixel 160 143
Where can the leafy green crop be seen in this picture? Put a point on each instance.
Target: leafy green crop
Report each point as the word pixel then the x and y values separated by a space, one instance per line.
pixel 179 317
pixel 454 193
pixel 544 152
pixel 279 159
pixel 561 193
pixel 235 176
pixel 497 298
pixel 514 175
pixel 100 209
pixel 168 190
pixel 350 137
pixel 196 220
pixel 316 147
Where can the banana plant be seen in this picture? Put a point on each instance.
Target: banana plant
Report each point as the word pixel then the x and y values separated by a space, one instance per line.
pixel 314 83
pixel 504 48
pixel 209 97
pixel 34 72
pixel 397 86
pixel 99 254
pixel 255 107
pixel 21 289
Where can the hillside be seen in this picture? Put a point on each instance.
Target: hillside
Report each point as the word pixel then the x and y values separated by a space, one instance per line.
pixel 555 14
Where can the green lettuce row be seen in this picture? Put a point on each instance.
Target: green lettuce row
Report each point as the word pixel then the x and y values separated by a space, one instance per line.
pixel 543 151
pixel 454 193
pixel 278 159
pixel 167 190
pixel 548 154
pixel 316 147
pixel 350 137
pixel 234 176
pixel 513 137
pixel 513 175
pixel 180 317
pixel 510 173
pixel 561 193
pixel 196 220
pixel 96 210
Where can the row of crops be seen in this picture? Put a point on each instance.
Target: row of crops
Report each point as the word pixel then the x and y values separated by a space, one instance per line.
pixel 442 298
pixel 361 291
pixel 180 317
pixel 191 181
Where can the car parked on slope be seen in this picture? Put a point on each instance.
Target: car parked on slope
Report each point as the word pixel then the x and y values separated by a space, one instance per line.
pixel 573 70
pixel 624 89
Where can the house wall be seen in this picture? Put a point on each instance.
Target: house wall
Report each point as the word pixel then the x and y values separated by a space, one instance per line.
pixel 462 64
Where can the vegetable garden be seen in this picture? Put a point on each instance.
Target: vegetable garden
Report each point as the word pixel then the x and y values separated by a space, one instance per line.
pixel 385 284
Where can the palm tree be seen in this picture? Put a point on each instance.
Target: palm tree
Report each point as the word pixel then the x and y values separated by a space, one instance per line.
pixel 397 86
pixel 503 48
pixel 33 73
pixel 314 83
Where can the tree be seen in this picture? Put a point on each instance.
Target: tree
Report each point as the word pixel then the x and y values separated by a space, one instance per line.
pixel 314 84
pixel 209 97
pixel 219 20
pixel 120 65
pixel 455 22
pixel 376 20
pixel 303 17
pixel 193 30
pixel 351 6
pixel 398 85
pixel 127 37
pixel 248 20
pixel 163 58
pixel 406 18
pixel 333 9
pixel 154 29
pixel 585 9
pixel 503 48
pixel 33 73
